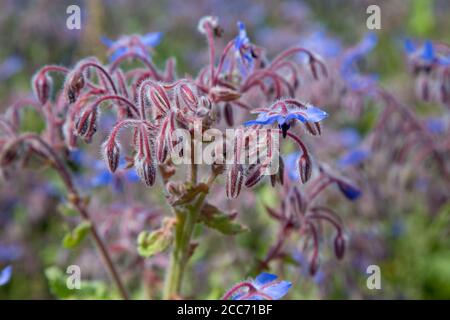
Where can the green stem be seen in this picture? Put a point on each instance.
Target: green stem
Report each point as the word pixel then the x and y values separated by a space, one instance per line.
pixel 184 230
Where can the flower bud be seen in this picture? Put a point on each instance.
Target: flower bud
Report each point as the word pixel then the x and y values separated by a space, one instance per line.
pixel 219 93
pixel 255 175
pixel 74 84
pixel 42 86
pixel 305 168
pixel 159 100
pixel 339 246
pixel 111 154
pixel 234 180
pixel 350 191
pixel 145 169
pixel 314 128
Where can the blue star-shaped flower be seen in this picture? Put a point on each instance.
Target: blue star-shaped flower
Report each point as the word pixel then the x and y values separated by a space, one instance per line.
pixel 137 44
pixel 284 114
pixel 266 287
pixel 425 53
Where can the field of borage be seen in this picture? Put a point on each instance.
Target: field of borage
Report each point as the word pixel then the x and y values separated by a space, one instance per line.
pixel 229 150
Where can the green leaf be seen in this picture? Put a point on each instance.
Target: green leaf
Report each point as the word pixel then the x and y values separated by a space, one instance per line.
pixel 222 222
pixel 57 282
pixel 74 238
pixel 151 243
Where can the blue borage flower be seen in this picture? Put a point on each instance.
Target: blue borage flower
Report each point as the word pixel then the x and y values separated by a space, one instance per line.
pixel 284 112
pixel 244 50
pixel 425 53
pixel 5 275
pixel 436 126
pixel 264 287
pixel 10 252
pixel 322 44
pixel 102 176
pixel 349 71
pixel 353 157
pixel 350 191
pixel 136 44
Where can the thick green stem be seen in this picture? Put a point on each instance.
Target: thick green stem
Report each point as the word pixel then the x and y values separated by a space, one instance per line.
pixel 174 274
pixel 186 221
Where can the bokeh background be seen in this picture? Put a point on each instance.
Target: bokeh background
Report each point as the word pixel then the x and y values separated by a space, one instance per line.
pixel 408 238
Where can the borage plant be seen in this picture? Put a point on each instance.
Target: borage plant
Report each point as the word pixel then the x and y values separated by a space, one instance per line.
pixel 175 139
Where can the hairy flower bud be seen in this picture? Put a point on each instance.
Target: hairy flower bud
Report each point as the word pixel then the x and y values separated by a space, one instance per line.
pixel 305 168
pixel 219 93
pixel 339 246
pixel 159 99
pixel 74 84
pixel 86 125
pixel 314 128
pixel 234 180
pixel 42 86
pixel 111 154
pixel 255 175
pixel 146 170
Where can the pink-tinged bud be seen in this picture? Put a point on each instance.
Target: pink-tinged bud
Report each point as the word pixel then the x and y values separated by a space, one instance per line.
pixel 219 93
pixel 234 180
pixel 205 102
pixel 313 128
pixel 146 170
pixel 255 175
pixel 86 125
pixel 187 96
pixel 305 168
pixel 42 86
pixel 339 246
pixel 74 84
pixel 228 112
pixel 161 150
pixel 159 100
pixel 111 154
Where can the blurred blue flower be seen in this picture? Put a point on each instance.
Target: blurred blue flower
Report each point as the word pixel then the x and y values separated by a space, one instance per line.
pixel 353 157
pixel 101 176
pixel 104 177
pixel 266 285
pixel 10 252
pixel 435 125
pixel 243 49
pixel 349 137
pixel 320 43
pixel 291 165
pixel 5 275
pixel 426 53
pixel 349 71
pixel 350 191
pixel 136 44
pixel 10 66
